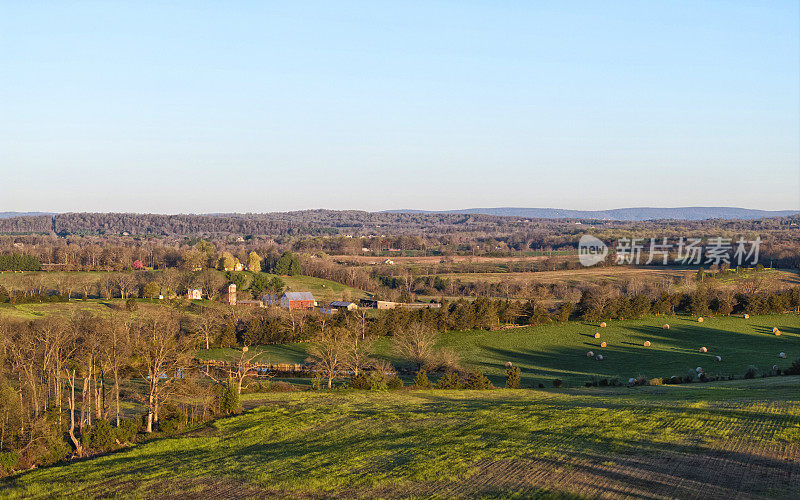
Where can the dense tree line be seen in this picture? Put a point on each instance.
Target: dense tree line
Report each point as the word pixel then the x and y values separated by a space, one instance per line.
pixel 63 382
pixel 17 262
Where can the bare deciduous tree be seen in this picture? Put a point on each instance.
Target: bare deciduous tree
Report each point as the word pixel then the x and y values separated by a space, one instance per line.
pixel 416 343
pixel 328 353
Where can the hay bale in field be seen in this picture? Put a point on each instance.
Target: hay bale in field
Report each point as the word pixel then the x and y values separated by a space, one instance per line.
pixel 665 327
pixel 703 349
pixel 700 319
pixel 631 381
pixel 647 343
pixel 746 316
pixel 509 364
pixel 699 369
pixel 589 354
pixel 603 324
pixel 597 335
pixel 775 330
pixel 599 357
pixel 719 358
pixel 603 344
pixel 774 368
pixel 782 355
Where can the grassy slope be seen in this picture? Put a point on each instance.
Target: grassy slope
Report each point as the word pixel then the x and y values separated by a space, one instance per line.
pixel 440 442
pixel 559 350
pixel 323 290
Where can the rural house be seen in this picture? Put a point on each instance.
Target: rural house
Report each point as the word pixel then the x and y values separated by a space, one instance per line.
pixel 298 300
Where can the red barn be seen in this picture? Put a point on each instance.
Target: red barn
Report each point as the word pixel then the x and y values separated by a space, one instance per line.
pixel 298 300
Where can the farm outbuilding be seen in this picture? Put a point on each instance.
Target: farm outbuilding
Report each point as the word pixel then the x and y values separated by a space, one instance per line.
pixel 298 300
pixel 194 294
pixel 341 304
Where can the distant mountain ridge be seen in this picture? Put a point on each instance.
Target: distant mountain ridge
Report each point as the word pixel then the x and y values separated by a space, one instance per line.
pixel 623 214
pixel 8 215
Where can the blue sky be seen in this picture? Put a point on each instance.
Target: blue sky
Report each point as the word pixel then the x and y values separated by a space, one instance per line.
pixel 241 106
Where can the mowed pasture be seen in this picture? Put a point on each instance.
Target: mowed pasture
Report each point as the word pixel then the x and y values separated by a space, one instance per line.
pixel 559 350
pixel 738 439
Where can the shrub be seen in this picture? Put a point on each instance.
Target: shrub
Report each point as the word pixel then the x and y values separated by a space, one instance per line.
pixel 394 383
pixel 316 382
pixel 282 386
pixel 421 381
pixel 173 418
pixel 377 382
pixel 226 398
pixel 131 305
pixel 449 380
pixel 795 368
pixel 557 382
pixel 512 377
pixel 100 436
pixel 360 381
pixel 9 460
pixel 477 380
pixel 541 385
pixel 751 372
pixel 126 430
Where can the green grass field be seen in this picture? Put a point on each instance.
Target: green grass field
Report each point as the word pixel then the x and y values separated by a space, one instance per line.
pixel 716 440
pixel 559 350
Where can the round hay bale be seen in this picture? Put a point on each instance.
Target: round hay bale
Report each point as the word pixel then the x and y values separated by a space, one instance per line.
pixel 703 349
pixel 778 333
pixel 700 319
pixel 665 327
pixel 599 357
pixel 782 355
pixel 603 324
pixel 699 369
pixel 746 316
pixel 631 381
pixel 603 344
pixel 509 364
pixel 719 358
pixel 597 335
pixel 590 354
pixel 774 368
pixel 647 343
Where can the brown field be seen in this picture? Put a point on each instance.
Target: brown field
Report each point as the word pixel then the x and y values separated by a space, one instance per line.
pixel 772 277
pixel 436 259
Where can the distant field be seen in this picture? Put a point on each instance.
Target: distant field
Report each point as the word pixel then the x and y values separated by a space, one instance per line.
pixel 616 273
pixel 559 350
pixel 34 311
pixel 435 259
pixel 720 440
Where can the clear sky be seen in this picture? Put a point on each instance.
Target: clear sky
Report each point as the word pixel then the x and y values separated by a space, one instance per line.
pixel 200 106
